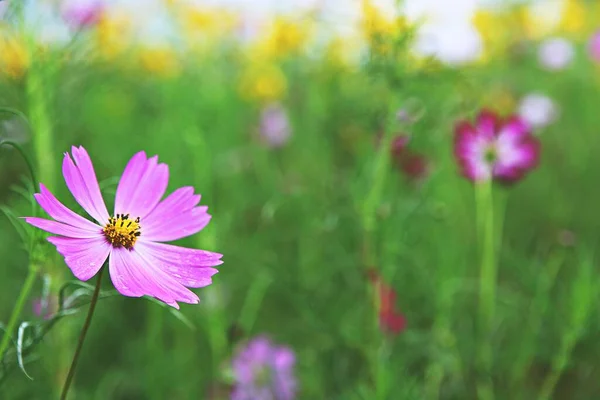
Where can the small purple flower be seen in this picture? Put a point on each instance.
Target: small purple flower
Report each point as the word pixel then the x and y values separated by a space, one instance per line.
pixel 264 371
pixel 594 46
pixel 82 13
pixel 556 54
pixel 538 110
pixel 275 127
pixel 494 149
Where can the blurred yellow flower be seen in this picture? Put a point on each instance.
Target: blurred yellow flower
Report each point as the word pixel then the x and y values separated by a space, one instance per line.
pixel 340 52
pixel 283 38
pixel 263 82
pixel 112 35
pixel 379 28
pixel 500 99
pixel 206 24
pixel 14 58
pixel 159 61
pixel 574 17
pixel 500 29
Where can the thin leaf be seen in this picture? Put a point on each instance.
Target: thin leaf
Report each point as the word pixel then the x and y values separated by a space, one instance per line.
pixel 20 339
pixel 15 222
pixel 176 313
pixel 22 191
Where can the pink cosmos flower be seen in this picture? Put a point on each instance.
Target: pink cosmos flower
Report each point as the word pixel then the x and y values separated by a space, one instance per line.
pixel 494 149
pixel 264 371
pixel 139 264
pixel 594 46
pixel 82 13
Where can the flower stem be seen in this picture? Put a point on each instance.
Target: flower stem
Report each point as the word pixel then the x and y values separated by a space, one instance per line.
pixel 82 335
pixel 487 289
pixel 14 318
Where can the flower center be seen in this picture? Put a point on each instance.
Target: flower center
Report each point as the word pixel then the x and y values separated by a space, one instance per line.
pixel 491 155
pixel 263 376
pixel 122 231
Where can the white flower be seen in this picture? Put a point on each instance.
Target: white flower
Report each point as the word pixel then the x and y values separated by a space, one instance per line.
pixel 556 53
pixel 538 110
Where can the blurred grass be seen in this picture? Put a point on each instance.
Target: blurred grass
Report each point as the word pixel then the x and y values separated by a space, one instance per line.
pixel 288 223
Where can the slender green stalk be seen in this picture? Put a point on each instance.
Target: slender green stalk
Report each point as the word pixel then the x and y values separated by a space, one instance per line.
pixel 487 290
pixel 16 313
pixel 82 335
pixel 539 307
pixel 583 299
pixel 42 127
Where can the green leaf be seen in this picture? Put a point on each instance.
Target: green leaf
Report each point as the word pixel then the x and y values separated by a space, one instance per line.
pixel 20 348
pixel 176 313
pixel 16 223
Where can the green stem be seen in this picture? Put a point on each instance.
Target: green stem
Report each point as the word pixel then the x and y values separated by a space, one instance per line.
pixel 487 290
pixel 16 313
pixel 82 335
pixel 41 125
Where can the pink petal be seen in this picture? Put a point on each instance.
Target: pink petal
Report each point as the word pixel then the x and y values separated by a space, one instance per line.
pixel 127 184
pixel 514 129
pixel 84 257
pixel 81 181
pixel 181 255
pixel 487 124
pixel 469 150
pixel 60 213
pixel 284 358
pixel 58 228
pixel 180 201
pixel 135 275
pixel 516 158
pixel 190 267
pixel 141 187
pixel 182 225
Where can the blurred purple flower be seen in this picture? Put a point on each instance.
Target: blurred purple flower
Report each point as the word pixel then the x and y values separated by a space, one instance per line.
pixel 264 371
pixel 275 127
pixel 82 13
pixel 556 53
pixel 594 46
pixel 538 110
pixel 45 307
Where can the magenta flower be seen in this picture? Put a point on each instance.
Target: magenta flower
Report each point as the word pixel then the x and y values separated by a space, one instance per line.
pixel 494 149
pixel 264 371
pixel 139 264
pixel 594 46
pixel 82 13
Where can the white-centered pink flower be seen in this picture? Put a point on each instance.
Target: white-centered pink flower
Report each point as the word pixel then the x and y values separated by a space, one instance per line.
pixel 131 239
pixel 495 149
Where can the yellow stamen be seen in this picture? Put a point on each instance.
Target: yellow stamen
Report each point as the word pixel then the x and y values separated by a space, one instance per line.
pixel 122 231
